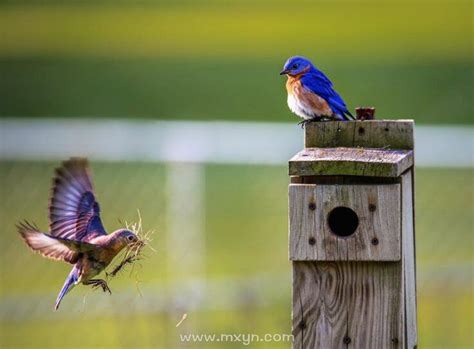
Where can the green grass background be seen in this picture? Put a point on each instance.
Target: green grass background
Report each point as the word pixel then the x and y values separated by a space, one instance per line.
pixel 219 60
pixel 246 235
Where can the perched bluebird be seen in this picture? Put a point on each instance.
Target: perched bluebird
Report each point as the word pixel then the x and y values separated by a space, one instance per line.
pixel 310 93
pixel 76 234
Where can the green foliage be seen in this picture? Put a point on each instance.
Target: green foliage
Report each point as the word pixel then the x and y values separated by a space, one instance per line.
pixel 220 59
pixel 386 30
pixel 225 90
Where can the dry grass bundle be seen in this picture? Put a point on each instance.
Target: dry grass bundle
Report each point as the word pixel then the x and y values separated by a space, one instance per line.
pixel 134 251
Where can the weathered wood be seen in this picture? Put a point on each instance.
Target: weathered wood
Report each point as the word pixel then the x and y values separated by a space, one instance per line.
pixel 377 237
pixel 353 283
pixel 350 161
pixel 347 304
pixel 387 134
pixel 375 315
pixel 296 179
pixel 344 180
pixel 408 247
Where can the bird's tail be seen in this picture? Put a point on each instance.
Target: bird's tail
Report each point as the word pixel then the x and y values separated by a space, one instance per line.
pixel 70 282
pixel 348 115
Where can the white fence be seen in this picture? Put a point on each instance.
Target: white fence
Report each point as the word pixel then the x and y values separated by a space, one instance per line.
pixel 201 142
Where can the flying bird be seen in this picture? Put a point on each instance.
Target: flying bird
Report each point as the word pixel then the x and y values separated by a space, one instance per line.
pixel 310 93
pixel 76 234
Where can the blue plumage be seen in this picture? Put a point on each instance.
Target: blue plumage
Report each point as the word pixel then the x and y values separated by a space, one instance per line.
pixel 70 282
pixel 311 94
pixel 319 84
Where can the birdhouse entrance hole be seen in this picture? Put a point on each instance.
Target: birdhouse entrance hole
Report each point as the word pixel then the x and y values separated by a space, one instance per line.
pixel 343 221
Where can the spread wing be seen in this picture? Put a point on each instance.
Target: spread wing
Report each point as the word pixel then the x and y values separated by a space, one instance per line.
pixel 319 84
pixel 50 246
pixel 74 213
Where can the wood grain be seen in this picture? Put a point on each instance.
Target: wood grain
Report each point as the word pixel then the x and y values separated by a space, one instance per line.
pixel 310 205
pixel 350 161
pixel 356 180
pixel 357 291
pixel 387 134
pixel 347 304
pixel 408 246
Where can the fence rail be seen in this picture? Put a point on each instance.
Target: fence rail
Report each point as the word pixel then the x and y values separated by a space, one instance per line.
pixel 197 141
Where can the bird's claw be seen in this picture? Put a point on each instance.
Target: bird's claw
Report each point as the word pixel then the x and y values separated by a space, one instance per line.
pixel 101 283
pixel 304 122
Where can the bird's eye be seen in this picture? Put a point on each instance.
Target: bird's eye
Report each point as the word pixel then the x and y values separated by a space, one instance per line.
pixel 295 66
pixel 130 238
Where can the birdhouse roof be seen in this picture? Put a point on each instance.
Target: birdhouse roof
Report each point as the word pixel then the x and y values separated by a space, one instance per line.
pixel 350 161
pixel 375 148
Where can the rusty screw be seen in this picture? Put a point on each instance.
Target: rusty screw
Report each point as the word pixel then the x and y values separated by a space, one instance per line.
pixel 361 130
pixel 347 340
pixel 395 340
pixel 312 206
pixel 375 241
pixel 311 240
pixel 365 113
pixel 372 207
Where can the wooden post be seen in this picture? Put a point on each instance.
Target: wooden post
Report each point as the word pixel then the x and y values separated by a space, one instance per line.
pixel 351 236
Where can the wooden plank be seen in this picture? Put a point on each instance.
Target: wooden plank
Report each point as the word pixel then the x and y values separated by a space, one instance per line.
pixel 319 311
pixel 386 134
pixel 377 237
pixel 302 222
pixel 344 180
pixel 296 179
pixel 347 304
pixel 408 247
pixel 375 305
pixel 350 161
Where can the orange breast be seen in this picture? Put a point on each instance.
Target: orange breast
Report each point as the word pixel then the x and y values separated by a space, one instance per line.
pixel 292 83
pixel 317 105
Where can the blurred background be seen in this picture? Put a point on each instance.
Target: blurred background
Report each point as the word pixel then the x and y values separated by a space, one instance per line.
pixel 181 109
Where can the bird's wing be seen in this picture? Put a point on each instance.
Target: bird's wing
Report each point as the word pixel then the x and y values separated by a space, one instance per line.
pixel 319 84
pixel 50 246
pixel 74 213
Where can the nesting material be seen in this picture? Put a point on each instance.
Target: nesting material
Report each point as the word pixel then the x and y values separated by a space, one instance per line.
pixel 185 315
pixel 134 252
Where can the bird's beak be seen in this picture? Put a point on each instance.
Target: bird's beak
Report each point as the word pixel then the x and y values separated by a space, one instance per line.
pixel 284 72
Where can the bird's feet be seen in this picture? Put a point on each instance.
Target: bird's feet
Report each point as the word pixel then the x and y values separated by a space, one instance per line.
pixel 99 282
pixel 304 122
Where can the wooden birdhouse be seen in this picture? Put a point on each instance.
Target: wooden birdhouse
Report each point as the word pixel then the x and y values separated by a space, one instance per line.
pixel 351 236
